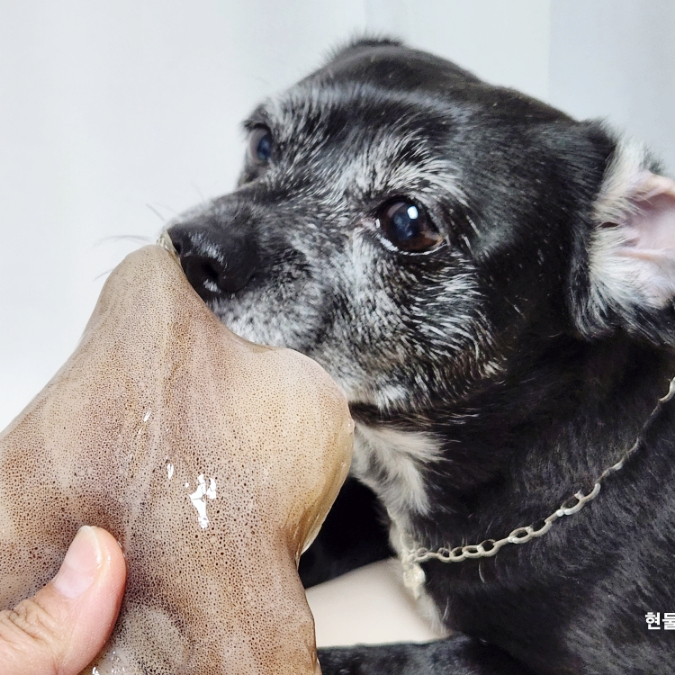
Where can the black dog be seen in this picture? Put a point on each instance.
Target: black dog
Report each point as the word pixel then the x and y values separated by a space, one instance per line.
pixel 492 284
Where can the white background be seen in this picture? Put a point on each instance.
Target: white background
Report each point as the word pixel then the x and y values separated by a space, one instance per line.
pixel 115 116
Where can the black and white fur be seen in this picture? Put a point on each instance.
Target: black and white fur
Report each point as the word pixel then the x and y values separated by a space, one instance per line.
pixel 493 372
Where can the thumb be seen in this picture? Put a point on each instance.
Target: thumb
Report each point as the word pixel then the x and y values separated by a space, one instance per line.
pixel 65 624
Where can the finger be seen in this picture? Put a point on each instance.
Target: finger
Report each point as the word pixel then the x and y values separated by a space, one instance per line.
pixel 64 625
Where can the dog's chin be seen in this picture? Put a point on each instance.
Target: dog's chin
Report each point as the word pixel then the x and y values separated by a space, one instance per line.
pixel 276 331
pixel 256 325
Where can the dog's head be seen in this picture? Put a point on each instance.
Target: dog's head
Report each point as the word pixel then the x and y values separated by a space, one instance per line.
pixel 411 227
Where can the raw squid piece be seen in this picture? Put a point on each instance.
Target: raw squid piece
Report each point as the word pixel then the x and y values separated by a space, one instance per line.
pixel 212 460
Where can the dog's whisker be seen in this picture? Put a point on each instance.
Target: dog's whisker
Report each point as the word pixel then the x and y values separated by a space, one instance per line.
pixel 200 194
pixel 156 212
pixel 103 274
pixel 115 238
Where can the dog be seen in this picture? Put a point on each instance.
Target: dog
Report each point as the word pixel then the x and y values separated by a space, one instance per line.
pixel 491 283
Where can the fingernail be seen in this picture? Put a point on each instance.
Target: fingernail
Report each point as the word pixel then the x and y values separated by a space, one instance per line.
pixel 80 566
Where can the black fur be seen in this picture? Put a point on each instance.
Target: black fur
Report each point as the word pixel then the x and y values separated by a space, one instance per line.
pixel 352 535
pixel 528 381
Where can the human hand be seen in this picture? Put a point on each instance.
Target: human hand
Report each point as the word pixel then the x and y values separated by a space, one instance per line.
pixel 65 624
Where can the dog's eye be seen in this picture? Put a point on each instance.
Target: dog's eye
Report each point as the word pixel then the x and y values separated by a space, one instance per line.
pixel 407 226
pixel 260 145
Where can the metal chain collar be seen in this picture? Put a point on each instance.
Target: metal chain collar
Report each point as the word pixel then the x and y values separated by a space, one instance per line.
pixel 411 556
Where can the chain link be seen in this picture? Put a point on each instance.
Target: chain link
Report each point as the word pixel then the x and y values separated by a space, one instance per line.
pixel 411 556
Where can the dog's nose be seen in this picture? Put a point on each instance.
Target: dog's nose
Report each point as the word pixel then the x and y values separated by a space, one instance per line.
pixel 214 264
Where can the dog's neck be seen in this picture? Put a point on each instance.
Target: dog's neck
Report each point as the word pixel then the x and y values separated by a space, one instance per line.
pixel 550 456
pixel 538 439
pixel 411 554
pixel 541 406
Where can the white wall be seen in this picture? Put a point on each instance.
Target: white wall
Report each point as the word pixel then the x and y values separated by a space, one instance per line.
pixel 616 59
pixel 505 42
pixel 116 116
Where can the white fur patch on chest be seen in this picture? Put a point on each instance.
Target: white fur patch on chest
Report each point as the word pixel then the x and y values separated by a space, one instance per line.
pixel 392 463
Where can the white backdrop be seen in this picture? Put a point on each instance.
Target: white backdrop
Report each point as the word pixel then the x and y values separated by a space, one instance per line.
pixel 116 116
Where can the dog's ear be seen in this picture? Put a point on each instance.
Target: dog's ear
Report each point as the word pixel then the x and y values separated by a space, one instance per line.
pixel 629 276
